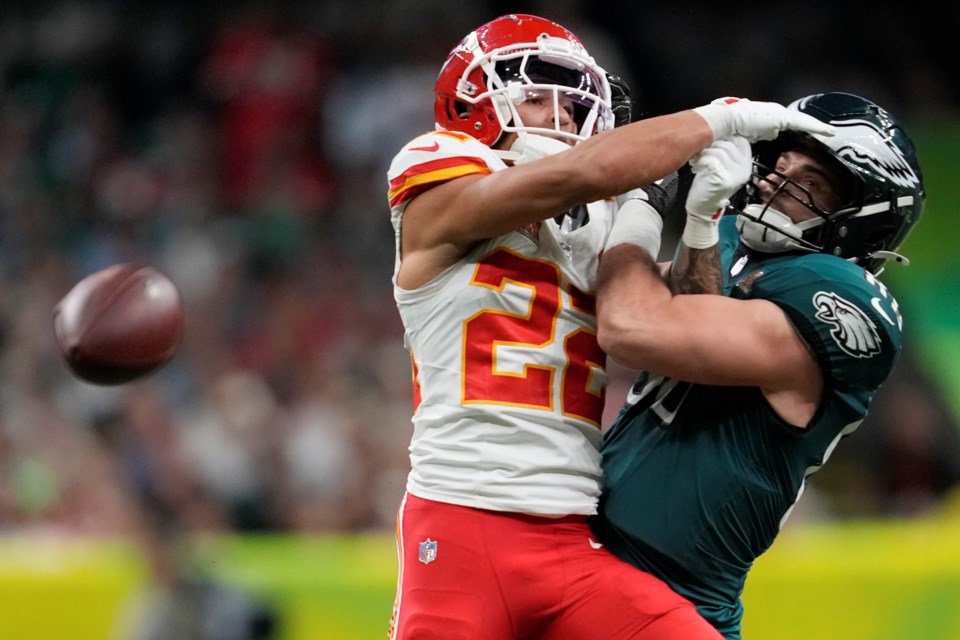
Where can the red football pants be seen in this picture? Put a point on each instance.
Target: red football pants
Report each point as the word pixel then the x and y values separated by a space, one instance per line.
pixel 472 574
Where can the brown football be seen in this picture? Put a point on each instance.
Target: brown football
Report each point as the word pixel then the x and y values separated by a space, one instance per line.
pixel 119 324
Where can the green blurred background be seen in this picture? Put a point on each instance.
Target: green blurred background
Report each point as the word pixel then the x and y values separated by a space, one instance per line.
pixel 929 289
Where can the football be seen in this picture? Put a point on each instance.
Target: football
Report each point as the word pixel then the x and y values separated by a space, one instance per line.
pixel 119 324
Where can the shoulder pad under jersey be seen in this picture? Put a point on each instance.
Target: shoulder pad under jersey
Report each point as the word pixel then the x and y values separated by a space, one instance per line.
pixel 434 158
pixel 848 318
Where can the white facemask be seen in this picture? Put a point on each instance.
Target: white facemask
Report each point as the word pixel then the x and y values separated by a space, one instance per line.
pixel 778 232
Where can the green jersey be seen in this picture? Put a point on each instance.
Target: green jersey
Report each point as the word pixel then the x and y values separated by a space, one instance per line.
pixel 699 479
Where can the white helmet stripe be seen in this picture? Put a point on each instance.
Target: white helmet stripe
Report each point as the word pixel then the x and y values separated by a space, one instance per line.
pixel 880 207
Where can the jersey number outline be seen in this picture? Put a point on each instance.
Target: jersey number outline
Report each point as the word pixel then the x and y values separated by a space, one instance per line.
pixel 485 332
pixel 663 396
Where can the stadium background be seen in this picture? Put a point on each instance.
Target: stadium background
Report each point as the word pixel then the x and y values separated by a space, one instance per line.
pixel 243 152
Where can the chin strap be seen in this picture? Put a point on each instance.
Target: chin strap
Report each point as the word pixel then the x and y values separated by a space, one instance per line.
pixel 890 255
pixel 885 255
pixel 531 146
pixel 510 157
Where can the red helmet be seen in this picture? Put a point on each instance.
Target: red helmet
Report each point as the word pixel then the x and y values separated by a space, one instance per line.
pixel 496 66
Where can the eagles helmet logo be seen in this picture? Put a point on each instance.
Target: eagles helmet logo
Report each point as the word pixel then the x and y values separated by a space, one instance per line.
pixel 869 146
pixel 853 331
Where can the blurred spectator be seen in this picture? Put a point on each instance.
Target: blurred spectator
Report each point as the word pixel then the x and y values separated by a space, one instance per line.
pixel 197 609
pixel 268 79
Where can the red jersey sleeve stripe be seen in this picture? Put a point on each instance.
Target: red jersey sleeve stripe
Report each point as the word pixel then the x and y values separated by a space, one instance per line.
pixel 421 177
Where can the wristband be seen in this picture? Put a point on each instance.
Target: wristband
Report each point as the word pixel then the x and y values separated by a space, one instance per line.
pixel 700 232
pixel 636 223
pixel 719 117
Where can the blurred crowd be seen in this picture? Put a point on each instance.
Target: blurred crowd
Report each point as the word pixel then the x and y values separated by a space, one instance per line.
pixel 244 154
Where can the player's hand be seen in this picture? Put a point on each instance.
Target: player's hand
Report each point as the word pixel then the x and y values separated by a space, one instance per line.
pixel 719 171
pixel 757 120
pixel 530 146
pixel 620 100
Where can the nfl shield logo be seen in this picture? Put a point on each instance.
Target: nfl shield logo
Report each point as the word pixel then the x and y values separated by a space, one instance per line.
pixel 428 551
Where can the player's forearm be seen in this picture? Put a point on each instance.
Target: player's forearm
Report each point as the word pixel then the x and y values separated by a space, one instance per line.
pixel 630 295
pixel 637 154
pixel 603 166
pixel 641 325
pixel 696 271
pixel 640 153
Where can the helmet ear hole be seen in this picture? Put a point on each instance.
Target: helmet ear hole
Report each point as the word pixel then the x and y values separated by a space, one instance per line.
pixel 461 110
pixel 449 109
pixel 875 241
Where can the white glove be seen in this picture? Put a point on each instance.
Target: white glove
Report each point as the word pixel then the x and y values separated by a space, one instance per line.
pixel 530 146
pixel 719 171
pixel 757 120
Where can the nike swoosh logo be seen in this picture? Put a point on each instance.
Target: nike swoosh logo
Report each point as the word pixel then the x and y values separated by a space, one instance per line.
pixel 876 305
pixel 595 544
pixel 429 147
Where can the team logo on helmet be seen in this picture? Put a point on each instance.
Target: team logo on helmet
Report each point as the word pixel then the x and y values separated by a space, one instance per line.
pixel 852 330
pixel 868 145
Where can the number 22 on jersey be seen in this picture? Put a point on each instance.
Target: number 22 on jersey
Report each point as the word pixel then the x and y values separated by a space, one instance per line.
pixel 490 330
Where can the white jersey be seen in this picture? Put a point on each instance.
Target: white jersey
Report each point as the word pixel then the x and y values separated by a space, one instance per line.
pixel 508 377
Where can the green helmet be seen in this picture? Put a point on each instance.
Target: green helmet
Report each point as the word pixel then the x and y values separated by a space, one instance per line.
pixel 886 194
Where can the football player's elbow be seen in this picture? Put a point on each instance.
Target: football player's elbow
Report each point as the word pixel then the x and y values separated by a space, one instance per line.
pixel 610 341
pixel 631 343
pixel 618 337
